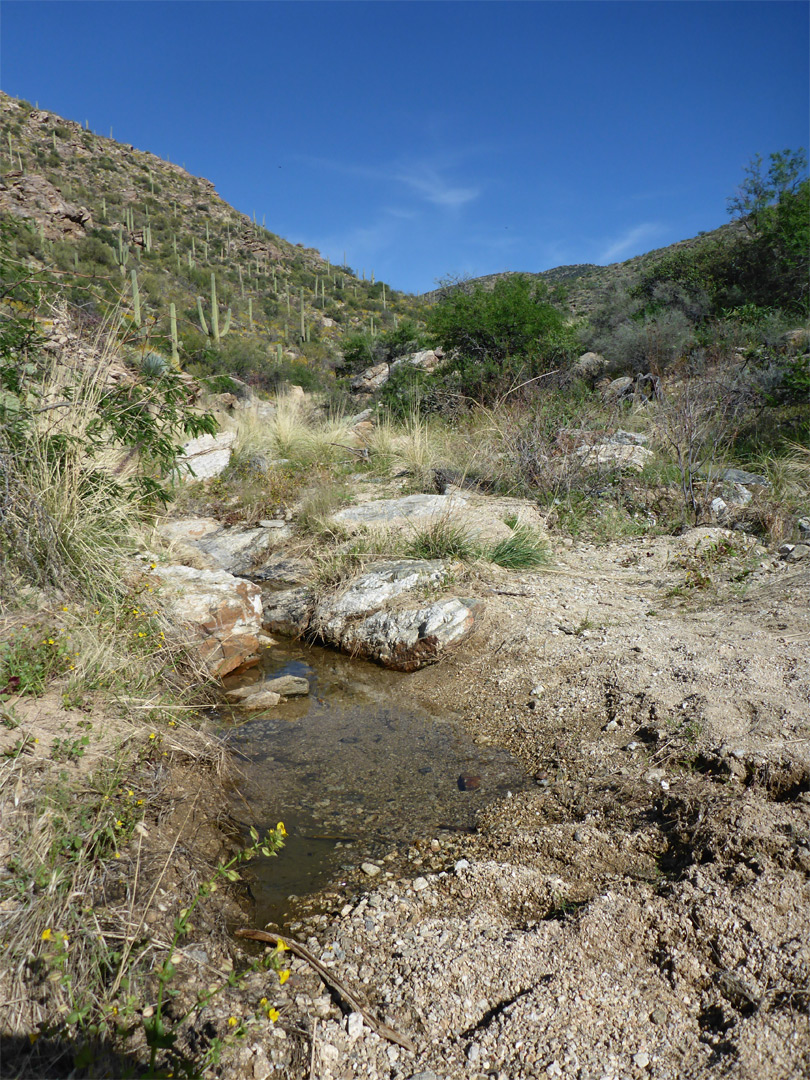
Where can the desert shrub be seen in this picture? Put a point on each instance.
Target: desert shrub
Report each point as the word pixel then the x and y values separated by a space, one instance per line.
pixel 513 320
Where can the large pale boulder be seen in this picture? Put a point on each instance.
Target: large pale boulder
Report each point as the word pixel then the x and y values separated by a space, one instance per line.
pixel 222 614
pixel 408 639
pixel 207 455
pixel 615 456
pixel 480 517
pixel 425 360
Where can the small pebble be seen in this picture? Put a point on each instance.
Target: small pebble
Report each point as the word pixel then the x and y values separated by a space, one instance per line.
pixel 370 869
pixel 642 1059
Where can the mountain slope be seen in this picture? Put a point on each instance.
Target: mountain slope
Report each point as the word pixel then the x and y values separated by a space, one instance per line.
pixel 95 210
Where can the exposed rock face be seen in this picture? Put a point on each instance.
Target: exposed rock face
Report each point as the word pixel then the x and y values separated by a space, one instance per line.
pixel 208 545
pixel 426 360
pixel 409 639
pixel 369 617
pixel 208 455
pixel 223 614
pixel 370 380
pixel 288 612
pixel 34 197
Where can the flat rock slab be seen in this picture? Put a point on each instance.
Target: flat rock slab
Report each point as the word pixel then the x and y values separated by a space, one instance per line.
pixel 481 517
pixel 370 616
pixel 209 545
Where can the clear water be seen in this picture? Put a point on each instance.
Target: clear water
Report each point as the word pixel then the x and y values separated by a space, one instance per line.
pixel 354 772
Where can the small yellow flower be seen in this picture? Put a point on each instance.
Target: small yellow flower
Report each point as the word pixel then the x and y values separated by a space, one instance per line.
pixel 118 854
pixel 263 1002
pixel 64 609
pixel 232 1021
pixel 46 934
pixel 130 793
pixel 280 829
pixel 273 1015
pixel 283 976
pixel 119 824
pixel 141 633
pixel 152 566
pixel 282 946
pixel 139 802
pixel 153 735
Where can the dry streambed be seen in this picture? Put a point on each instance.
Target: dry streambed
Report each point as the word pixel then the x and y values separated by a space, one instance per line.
pixel 641 908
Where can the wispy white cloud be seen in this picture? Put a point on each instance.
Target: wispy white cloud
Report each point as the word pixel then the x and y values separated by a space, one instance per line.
pixel 431 185
pixel 630 239
pixel 425 177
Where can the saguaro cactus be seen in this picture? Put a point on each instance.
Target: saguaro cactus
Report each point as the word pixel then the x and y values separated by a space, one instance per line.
pixel 214 331
pixel 136 299
pixel 173 327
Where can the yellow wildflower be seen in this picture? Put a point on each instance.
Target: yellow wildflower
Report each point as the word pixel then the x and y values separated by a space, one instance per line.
pixel 283 976
pixel 232 1021
pixel 46 934
pixel 273 1015
pixel 280 829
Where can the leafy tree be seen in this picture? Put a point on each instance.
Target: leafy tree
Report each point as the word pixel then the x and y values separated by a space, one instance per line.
pixel 774 207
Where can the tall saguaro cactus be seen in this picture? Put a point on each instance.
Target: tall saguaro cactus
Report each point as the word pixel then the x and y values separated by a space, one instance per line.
pixel 214 331
pixel 173 330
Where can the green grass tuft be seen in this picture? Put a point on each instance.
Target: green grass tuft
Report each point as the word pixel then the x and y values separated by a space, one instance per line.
pixel 523 550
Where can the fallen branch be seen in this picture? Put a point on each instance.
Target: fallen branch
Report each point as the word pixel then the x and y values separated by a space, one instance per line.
pixel 332 980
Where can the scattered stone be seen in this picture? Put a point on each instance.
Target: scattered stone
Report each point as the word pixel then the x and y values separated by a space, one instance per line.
pixel 419 884
pixel 467 782
pixel 354 1025
pixel 619 388
pixel 370 868
pixel 800 552
pixel 641 1059
pixel 288 685
pixel 659 1016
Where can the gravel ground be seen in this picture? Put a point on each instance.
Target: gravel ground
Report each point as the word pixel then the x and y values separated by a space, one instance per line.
pixel 643 909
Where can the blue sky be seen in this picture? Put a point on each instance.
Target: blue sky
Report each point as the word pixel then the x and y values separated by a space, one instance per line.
pixel 428 139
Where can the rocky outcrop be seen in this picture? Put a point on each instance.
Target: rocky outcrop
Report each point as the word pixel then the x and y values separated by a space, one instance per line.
pixel 372 618
pixel 375 377
pixel 615 456
pixel 221 613
pixel 371 379
pixel 35 198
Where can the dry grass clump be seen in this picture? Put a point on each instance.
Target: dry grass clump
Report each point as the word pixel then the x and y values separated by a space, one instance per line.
pixel 66 514
pixel 294 434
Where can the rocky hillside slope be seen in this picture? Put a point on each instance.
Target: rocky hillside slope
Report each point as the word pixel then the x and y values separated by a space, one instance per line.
pixel 94 211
